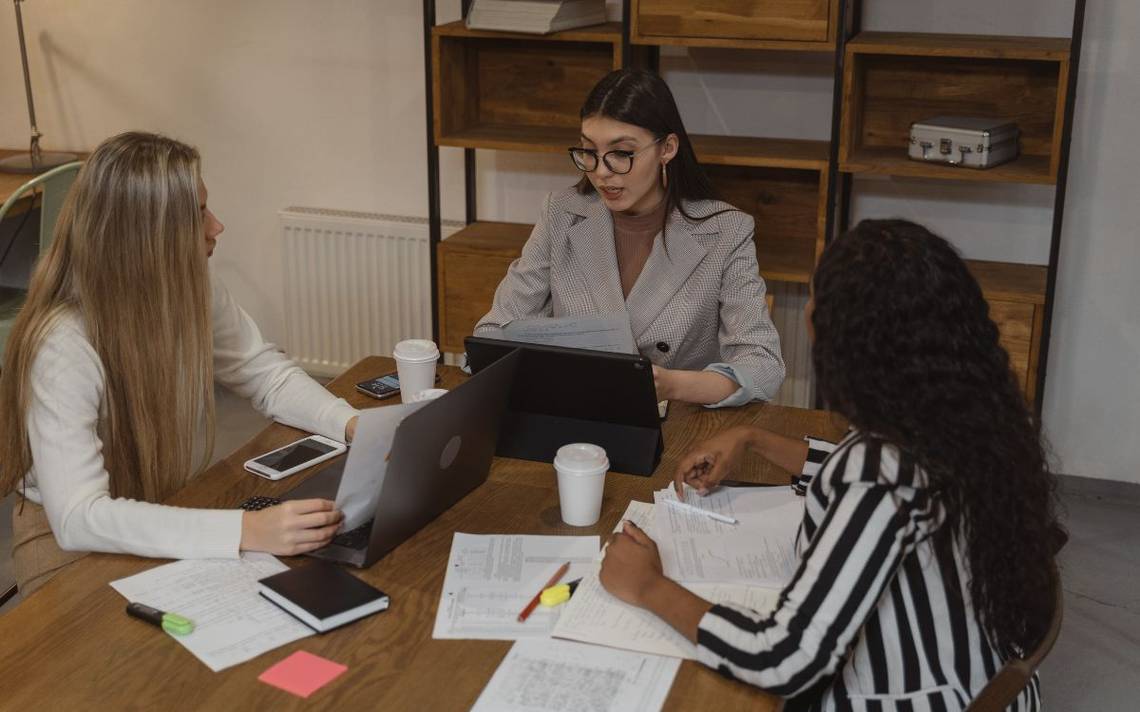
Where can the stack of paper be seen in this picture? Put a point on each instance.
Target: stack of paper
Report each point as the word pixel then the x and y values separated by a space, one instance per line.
pixel 535 16
pixel 744 564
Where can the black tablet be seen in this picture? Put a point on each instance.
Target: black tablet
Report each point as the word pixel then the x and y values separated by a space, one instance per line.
pixel 564 395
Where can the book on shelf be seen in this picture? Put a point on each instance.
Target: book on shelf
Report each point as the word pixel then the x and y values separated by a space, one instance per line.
pixel 535 16
pixel 322 595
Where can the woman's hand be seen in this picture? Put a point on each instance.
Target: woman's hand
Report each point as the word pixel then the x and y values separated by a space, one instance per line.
pixel 632 566
pixel 350 428
pixel 290 528
pixel 702 387
pixel 711 461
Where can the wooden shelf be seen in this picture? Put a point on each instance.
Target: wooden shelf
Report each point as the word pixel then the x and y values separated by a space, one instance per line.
pixel 501 239
pixel 1007 282
pixel 761 152
pixel 786 259
pixel 924 44
pixel 530 139
pixel 608 32
pixel 516 91
pixel 880 160
pixel 790 25
pixel 730 43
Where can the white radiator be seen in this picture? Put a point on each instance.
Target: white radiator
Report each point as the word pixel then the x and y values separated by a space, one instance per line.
pixel 355 285
pixel 788 315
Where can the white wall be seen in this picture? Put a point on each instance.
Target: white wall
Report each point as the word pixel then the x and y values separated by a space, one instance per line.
pixel 321 104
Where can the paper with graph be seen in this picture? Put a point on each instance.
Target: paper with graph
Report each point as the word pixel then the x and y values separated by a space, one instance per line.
pixel 560 676
pixel 490 578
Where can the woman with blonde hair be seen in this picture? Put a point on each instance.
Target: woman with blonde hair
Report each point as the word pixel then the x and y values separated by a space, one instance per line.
pixel 109 375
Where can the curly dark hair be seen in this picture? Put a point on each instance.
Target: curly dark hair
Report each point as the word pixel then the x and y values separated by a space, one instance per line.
pixel 905 350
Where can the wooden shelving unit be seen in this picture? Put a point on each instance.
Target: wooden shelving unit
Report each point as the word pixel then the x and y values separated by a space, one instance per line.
pixel 509 91
pixel 893 79
pixel 505 91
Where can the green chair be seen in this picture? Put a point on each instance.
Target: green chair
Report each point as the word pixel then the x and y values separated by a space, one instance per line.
pixel 52 187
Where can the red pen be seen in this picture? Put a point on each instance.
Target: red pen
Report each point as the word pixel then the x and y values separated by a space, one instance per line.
pixel 534 601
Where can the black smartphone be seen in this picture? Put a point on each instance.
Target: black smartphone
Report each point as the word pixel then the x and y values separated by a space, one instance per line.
pixel 381 387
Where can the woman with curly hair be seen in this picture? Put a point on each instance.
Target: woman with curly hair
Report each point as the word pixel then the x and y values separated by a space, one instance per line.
pixel 926 547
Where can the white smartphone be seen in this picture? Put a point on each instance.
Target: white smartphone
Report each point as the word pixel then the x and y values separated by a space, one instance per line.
pixel 294 457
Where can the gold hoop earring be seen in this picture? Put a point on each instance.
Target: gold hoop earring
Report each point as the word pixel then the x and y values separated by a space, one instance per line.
pixel 664 176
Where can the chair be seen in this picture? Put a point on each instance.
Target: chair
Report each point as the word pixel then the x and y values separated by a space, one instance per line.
pixel 53 186
pixel 1000 692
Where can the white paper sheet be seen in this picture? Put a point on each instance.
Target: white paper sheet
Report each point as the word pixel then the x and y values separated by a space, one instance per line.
pixel 759 550
pixel 367 464
pixel 232 622
pixel 600 332
pixel 592 615
pixel 560 676
pixel 490 579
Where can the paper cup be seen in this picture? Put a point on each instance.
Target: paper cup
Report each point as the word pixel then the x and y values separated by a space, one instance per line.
pixel 581 469
pixel 415 365
pixel 429 394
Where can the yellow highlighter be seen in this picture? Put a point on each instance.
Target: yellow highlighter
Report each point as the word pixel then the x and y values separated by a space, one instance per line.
pixel 558 594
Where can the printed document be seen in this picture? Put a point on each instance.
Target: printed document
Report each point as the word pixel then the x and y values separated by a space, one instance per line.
pixel 359 490
pixel 592 615
pixel 600 332
pixel 232 622
pixel 560 676
pixel 759 550
pixel 491 578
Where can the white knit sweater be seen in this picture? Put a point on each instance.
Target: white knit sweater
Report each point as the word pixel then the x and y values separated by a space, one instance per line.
pixel 68 476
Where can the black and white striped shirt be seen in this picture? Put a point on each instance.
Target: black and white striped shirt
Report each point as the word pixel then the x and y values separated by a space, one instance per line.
pixel 868 621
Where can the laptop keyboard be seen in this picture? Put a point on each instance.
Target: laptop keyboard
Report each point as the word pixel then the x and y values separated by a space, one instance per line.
pixel 355 539
pixel 255 504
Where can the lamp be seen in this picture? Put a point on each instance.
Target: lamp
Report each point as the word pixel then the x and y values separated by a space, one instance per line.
pixel 36 161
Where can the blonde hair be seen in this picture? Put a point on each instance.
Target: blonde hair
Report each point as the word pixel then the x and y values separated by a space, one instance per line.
pixel 129 260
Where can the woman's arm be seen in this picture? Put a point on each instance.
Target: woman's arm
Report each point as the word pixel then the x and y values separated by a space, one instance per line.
pixel 850 561
pixel 716 458
pixel 71 482
pixel 525 290
pixel 278 388
pixel 749 343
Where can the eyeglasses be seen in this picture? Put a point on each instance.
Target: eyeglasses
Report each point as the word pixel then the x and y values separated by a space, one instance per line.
pixel 620 162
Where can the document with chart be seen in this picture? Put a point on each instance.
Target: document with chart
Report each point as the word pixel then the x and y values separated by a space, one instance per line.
pixel 560 676
pixel 491 578
pixel 758 550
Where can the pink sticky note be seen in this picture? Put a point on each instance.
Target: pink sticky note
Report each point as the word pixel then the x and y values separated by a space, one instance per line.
pixel 302 673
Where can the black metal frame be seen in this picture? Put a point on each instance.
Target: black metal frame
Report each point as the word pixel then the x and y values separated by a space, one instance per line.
pixel 1059 201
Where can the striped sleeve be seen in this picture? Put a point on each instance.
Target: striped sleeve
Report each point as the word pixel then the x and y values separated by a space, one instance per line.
pixel 818 450
pixel 870 524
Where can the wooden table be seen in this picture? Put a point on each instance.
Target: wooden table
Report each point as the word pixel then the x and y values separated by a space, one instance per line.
pixel 71 646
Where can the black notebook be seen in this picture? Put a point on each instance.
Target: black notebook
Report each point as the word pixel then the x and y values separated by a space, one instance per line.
pixel 322 595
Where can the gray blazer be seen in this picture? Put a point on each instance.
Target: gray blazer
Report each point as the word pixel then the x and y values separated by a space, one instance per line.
pixel 698 303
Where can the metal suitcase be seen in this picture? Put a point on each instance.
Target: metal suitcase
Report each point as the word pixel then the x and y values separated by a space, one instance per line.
pixel 963 141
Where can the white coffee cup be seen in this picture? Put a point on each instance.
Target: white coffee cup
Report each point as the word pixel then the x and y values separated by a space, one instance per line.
pixel 429 394
pixel 415 366
pixel 581 469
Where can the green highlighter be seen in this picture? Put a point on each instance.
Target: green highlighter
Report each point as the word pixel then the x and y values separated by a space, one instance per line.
pixel 170 622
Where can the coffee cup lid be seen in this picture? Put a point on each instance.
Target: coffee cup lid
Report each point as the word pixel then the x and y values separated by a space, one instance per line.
pixel 416 350
pixel 581 457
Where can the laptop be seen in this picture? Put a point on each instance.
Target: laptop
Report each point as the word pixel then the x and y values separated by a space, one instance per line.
pixel 564 395
pixel 439 454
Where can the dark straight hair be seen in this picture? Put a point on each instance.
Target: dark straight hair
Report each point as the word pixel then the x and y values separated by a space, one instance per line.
pixel 643 99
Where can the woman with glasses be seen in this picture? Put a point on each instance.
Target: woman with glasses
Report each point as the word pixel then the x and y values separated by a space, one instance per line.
pixel 642 233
